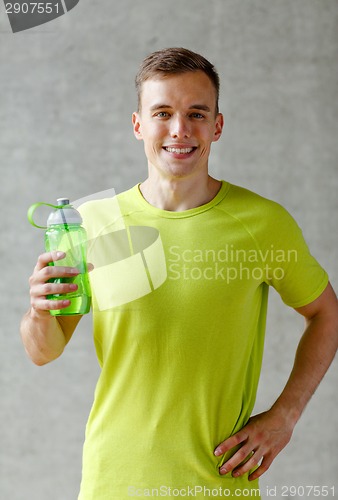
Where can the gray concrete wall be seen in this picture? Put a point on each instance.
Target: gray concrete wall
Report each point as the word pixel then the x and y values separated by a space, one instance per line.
pixel 66 98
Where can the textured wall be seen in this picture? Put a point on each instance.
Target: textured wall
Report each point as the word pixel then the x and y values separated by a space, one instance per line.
pixel 66 98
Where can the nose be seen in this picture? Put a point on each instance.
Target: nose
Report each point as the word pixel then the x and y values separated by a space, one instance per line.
pixel 180 127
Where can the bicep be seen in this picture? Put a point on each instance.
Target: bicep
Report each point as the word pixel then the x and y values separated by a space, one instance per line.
pixel 326 304
pixel 322 319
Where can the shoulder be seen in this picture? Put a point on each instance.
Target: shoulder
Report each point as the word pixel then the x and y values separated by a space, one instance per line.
pixel 253 207
pixel 106 211
pixel 265 220
pixel 101 202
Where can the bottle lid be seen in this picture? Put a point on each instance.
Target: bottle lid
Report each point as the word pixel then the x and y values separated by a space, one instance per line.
pixel 64 214
pixel 62 201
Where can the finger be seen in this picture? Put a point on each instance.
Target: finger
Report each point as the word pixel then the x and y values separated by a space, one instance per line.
pixel 254 461
pixel 45 258
pixel 237 459
pixel 263 467
pixel 51 304
pixel 42 302
pixel 50 272
pixel 230 443
pixel 56 288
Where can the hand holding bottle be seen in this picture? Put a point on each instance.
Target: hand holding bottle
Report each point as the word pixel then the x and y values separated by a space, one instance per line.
pixel 66 244
pixel 45 335
pixel 41 286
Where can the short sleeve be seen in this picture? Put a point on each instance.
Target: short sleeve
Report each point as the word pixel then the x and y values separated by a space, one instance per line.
pixel 291 269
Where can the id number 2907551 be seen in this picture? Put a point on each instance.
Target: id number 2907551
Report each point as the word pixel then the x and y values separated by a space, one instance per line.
pixel 32 8
pixel 308 491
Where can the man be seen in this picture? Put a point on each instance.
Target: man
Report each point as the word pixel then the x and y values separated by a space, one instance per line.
pixel 180 365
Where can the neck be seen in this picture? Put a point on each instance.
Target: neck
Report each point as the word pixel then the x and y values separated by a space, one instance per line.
pixel 179 194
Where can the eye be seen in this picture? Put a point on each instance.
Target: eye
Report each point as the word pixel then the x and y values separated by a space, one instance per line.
pixel 162 114
pixel 196 115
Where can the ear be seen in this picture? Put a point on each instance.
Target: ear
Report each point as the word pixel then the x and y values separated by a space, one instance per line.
pixel 218 127
pixel 137 126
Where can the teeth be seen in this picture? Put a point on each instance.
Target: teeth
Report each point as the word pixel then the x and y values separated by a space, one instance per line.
pixel 179 151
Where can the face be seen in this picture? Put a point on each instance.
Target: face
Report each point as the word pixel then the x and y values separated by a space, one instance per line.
pixel 177 123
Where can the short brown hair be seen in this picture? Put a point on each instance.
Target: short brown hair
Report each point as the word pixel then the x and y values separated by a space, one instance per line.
pixel 172 61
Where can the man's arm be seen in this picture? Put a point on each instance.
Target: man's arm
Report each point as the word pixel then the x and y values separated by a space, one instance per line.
pixel 266 434
pixel 45 336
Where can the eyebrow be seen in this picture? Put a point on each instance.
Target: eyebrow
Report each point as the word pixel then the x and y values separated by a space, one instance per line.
pixel 201 107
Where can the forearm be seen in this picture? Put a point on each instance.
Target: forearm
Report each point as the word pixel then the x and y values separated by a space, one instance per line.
pixel 42 336
pixel 314 355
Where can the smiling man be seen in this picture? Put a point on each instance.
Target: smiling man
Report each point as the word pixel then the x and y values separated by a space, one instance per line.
pixel 178 129
pixel 172 414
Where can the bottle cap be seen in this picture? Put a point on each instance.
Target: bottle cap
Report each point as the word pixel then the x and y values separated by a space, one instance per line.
pixel 64 214
pixel 62 201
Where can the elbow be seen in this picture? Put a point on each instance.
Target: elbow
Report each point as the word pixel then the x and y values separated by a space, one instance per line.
pixel 40 358
pixel 39 361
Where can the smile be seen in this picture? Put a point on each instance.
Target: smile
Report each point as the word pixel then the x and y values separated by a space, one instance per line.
pixel 181 151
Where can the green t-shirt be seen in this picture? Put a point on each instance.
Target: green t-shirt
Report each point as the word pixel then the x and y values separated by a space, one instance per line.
pixel 179 311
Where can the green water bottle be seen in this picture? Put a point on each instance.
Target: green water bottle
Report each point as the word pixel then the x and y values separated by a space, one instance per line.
pixel 65 233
